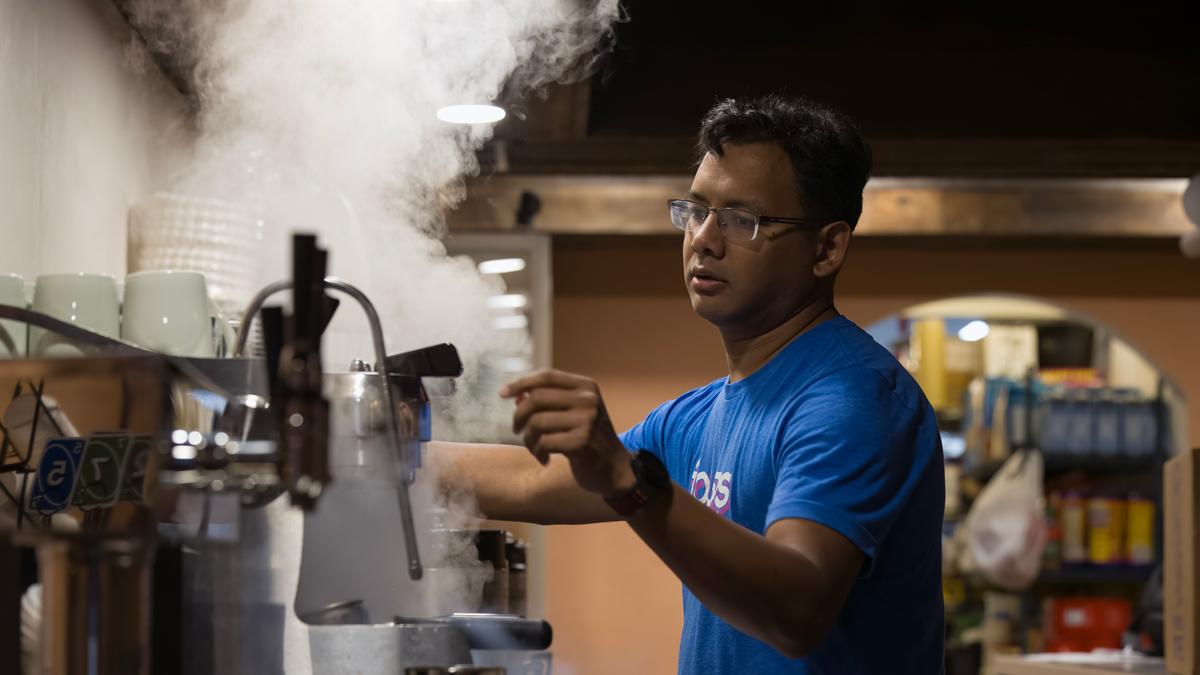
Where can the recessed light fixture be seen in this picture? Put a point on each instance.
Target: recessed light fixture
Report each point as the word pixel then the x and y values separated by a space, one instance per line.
pixel 974 331
pixel 502 266
pixel 471 114
pixel 511 301
pixel 514 364
pixel 510 322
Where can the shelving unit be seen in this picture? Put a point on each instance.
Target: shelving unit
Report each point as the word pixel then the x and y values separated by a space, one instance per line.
pixel 1118 574
pixel 1089 462
pixel 1097 463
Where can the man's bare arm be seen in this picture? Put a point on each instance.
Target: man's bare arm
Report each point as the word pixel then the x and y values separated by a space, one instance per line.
pixel 510 484
pixel 785 589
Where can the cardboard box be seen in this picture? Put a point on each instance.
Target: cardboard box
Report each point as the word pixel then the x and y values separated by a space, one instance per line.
pixel 1179 570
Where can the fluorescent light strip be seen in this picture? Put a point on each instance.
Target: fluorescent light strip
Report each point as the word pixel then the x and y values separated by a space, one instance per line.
pixel 511 301
pixel 502 266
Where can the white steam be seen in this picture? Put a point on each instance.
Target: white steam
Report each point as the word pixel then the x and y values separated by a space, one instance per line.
pixel 321 116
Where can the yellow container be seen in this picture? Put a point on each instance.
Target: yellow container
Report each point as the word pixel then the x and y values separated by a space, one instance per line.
pixel 1074 549
pixel 1139 542
pixel 1106 530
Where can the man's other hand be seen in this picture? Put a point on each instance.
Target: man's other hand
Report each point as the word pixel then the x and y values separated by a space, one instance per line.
pixel 562 413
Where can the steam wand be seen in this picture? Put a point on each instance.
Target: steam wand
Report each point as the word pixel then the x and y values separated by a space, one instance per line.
pixel 393 417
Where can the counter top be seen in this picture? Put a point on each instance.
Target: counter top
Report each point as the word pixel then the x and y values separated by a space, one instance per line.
pixel 1022 665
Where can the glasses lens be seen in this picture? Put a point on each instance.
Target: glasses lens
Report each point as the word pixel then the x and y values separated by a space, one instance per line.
pixel 687 216
pixel 738 225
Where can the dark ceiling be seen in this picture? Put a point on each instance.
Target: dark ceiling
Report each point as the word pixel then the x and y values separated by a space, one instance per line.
pixel 913 68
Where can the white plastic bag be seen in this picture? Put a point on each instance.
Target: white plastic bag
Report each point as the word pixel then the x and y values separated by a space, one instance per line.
pixel 1006 531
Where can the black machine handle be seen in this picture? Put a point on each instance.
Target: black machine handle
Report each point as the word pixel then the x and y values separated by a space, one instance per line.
pixel 436 361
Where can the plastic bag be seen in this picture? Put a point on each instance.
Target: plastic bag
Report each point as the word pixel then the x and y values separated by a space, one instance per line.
pixel 1006 530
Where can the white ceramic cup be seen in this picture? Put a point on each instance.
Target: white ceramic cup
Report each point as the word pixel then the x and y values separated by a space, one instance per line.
pixel 89 300
pixel 13 334
pixel 169 311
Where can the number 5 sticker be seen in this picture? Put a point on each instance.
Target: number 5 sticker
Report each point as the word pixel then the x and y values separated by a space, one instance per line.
pixel 56 475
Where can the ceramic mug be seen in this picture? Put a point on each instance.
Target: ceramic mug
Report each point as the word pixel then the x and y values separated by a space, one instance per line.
pixel 169 311
pixel 13 334
pixel 89 300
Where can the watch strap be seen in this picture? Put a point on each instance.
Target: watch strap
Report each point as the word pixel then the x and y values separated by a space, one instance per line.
pixel 640 494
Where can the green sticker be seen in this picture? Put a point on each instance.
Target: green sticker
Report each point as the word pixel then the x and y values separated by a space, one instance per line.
pixel 100 472
pixel 136 460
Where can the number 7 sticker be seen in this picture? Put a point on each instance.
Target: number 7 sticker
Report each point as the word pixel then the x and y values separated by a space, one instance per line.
pixel 101 471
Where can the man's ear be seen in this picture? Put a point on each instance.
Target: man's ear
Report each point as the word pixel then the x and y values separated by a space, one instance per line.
pixel 833 241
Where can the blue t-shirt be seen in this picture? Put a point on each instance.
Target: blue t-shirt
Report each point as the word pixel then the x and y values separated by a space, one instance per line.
pixel 832 430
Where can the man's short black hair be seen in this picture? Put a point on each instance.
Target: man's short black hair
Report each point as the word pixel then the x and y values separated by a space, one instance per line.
pixel 830 159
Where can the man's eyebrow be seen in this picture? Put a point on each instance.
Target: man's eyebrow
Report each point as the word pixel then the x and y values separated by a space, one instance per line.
pixel 735 203
pixel 750 203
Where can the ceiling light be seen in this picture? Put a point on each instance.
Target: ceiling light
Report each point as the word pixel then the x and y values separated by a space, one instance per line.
pixel 510 322
pixel 514 364
pixel 512 301
pixel 974 331
pixel 502 266
pixel 471 114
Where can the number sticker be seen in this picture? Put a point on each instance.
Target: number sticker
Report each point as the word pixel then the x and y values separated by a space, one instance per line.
pixel 135 469
pixel 56 475
pixel 101 471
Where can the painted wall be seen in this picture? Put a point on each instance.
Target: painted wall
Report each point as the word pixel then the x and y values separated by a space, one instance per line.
pixel 80 136
pixel 621 316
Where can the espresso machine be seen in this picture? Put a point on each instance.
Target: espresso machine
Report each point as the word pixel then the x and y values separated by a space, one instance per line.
pixel 178 551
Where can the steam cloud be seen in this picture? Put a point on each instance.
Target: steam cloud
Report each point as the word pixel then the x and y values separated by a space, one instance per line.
pixel 322 114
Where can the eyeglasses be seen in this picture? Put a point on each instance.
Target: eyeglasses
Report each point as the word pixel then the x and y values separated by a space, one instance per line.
pixel 735 224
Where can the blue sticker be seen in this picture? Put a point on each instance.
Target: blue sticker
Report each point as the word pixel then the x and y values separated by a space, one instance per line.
pixel 56 475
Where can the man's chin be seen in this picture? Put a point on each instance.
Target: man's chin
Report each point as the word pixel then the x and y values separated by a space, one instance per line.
pixel 714 310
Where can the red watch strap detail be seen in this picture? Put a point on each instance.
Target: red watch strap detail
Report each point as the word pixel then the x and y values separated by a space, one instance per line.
pixel 630 502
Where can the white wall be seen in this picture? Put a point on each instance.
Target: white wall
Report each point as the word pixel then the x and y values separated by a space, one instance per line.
pixel 81 136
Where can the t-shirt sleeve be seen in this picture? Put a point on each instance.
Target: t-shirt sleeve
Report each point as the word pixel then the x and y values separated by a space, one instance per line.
pixel 649 434
pixel 849 457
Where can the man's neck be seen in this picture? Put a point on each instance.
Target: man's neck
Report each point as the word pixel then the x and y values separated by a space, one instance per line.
pixel 745 355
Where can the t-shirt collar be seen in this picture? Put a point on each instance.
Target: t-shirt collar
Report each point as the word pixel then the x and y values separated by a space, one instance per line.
pixel 733 390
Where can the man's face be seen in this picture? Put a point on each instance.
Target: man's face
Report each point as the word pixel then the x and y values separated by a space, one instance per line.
pixel 749 287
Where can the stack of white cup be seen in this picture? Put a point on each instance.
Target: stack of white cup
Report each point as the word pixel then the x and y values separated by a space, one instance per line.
pixel 166 311
pixel 13 334
pixel 222 239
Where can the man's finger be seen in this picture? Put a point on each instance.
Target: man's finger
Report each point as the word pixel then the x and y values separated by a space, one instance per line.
pixel 545 378
pixel 558 443
pixel 556 420
pixel 539 400
pixel 548 422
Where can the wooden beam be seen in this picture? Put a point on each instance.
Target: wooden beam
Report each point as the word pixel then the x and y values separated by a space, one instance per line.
pixel 894 207
pixel 950 158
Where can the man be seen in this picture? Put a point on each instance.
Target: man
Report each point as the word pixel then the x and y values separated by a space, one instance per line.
pixel 808 536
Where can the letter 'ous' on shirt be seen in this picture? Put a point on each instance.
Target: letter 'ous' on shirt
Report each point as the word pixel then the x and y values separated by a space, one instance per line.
pixel 832 430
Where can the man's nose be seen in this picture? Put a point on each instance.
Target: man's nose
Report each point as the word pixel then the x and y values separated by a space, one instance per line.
pixel 709 237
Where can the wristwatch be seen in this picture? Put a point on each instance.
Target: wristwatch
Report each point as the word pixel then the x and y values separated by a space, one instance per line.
pixel 652 479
